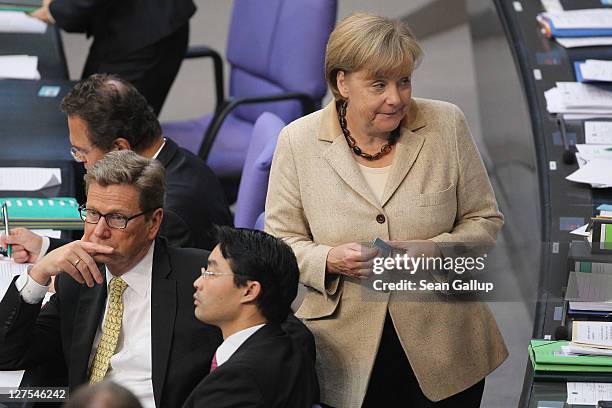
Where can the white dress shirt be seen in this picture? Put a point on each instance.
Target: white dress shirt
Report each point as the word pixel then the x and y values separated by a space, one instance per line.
pixel 131 365
pixel 233 342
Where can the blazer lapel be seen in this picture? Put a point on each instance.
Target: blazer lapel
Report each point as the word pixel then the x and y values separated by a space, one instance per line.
pixel 163 313
pixel 407 150
pixel 88 316
pixel 340 158
pixel 339 155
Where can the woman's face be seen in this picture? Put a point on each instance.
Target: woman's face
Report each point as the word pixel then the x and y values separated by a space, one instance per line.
pixel 376 105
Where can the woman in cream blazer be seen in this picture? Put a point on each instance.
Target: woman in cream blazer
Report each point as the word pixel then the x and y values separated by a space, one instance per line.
pixel 437 190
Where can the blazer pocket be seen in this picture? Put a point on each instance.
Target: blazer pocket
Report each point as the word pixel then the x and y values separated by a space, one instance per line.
pixel 317 305
pixel 437 198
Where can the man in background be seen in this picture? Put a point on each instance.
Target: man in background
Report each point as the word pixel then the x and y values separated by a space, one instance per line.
pixel 142 41
pixel 106 113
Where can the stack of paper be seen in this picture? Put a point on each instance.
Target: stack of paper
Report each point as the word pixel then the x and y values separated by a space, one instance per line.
pixel 549 359
pixel 576 100
pixel 29 178
pixel 578 28
pixel 19 67
pixel 593 70
pixel 20 22
pixel 598 132
pixel 588 393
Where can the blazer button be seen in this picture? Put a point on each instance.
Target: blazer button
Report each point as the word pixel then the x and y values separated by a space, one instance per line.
pixel 380 219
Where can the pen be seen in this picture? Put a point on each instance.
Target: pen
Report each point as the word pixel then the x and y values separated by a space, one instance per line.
pixel 6 226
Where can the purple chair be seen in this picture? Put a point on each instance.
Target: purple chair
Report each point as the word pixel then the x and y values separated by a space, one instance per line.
pixel 276 49
pixel 260 223
pixel 256 171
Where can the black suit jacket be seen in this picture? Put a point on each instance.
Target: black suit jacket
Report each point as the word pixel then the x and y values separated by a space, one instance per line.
pixel 269 370
pixel 194 195
pixel 119 27
pixel 61 334
pixel 195 201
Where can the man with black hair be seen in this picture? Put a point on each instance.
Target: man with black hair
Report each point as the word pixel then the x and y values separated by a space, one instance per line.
pixel 246 291
pixel 106 113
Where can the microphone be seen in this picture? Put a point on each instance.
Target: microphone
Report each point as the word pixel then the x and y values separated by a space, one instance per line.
pixel 569 157
pixel 563 333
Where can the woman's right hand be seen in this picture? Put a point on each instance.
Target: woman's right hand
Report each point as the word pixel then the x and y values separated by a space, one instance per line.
pixel 352 259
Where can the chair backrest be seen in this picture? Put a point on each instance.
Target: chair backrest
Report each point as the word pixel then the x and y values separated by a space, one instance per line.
pixel 260 223
pixel 278 46
pixel 256 170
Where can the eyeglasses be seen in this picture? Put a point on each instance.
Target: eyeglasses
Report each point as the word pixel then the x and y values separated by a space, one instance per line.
pixel 210 274
pixel 77 154
pixel 113 220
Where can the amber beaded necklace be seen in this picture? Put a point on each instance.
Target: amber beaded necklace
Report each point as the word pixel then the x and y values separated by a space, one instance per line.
pixel 384 150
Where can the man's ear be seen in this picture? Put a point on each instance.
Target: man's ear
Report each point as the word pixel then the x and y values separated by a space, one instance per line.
pixel 121 143
pixel 156 220
pixel 251 292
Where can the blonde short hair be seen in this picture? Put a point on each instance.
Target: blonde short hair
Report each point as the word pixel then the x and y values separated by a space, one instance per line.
pixel 381 45
pixel 127 167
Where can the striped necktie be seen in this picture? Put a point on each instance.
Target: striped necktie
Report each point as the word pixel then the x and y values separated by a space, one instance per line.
pixel 110 330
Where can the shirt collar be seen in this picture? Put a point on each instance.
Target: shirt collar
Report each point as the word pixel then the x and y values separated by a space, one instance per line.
pixel 139 277
pixel 233 342
pixel 159 150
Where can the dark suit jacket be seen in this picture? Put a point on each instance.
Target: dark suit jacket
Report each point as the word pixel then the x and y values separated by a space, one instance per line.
pixel 195 201
pixel 62 332
pixel 119 27
pixel 195 196
pixel 269 370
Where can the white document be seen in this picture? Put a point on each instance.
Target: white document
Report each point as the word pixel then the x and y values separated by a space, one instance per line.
pixel 598 132
pixel 20 22
pixel 582 231
pixel 590 152
pixel 578 19
pixel 585 116
pixel 48 233
pixel 592 333
pixel 19 66
pixel 569 42
pixel 580 393
pixel 596 70
pixel 29 178
pixel 591 306
pixel 579 95
pixel 566 102
pixel 596 172
pixel 11 379
pixel 8 270
pixel 580 350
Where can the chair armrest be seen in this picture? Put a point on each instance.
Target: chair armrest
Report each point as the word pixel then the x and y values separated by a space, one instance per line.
pixel 308 106
pixel 202 51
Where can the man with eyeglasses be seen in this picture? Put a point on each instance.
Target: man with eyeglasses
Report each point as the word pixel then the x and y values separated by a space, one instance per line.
pixel 246 290
pixel 122 308
pixel 106 113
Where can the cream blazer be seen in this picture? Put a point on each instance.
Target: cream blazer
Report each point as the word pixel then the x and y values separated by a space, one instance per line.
pixel 437 189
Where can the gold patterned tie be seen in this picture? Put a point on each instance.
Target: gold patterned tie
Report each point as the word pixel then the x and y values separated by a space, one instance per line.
pixel 110 330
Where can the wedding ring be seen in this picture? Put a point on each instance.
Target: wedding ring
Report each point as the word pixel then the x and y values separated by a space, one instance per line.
pixel 77 262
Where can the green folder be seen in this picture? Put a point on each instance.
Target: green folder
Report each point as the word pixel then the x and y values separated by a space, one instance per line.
pixel 43 213
pixel 545 356
pixel 20 5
